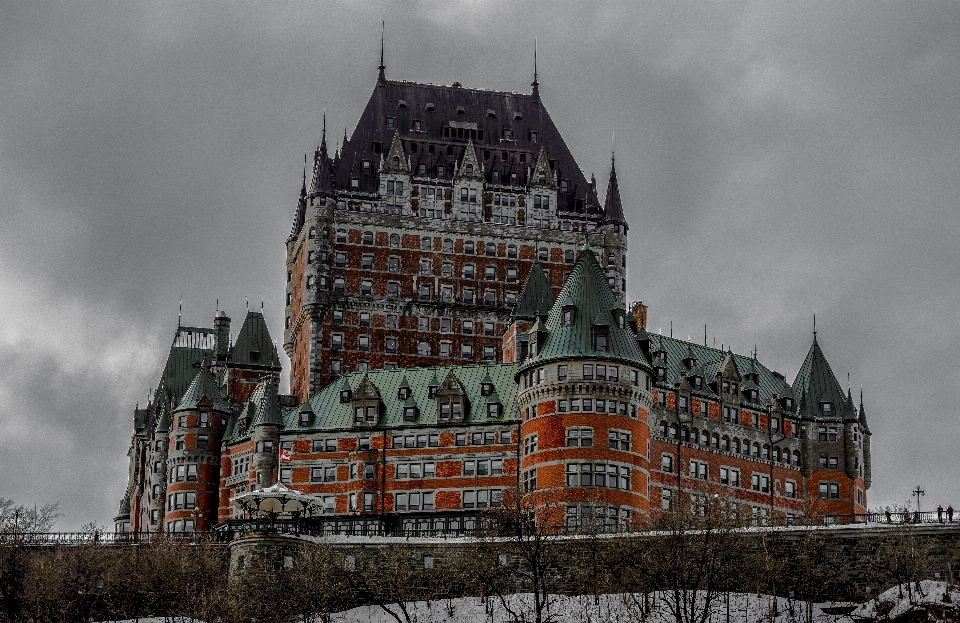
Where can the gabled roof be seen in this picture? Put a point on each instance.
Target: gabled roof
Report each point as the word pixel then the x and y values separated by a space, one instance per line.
pixel 254 337
pixel 586 290
pixel 203 389
pixel 612 208
pixel 536 296
pixel 818 383
pixel 437 107
pixel 333 414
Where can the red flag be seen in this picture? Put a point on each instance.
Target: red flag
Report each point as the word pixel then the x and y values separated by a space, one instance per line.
pixel 285 456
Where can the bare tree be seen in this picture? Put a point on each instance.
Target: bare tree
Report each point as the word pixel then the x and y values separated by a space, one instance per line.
pixel 20 529
pixel 690 556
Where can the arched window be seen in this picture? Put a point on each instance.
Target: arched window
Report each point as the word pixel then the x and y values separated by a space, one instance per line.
pixel 447 245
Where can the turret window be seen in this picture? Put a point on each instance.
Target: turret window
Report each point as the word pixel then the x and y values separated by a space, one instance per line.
pixel 601 342
pixel 580 437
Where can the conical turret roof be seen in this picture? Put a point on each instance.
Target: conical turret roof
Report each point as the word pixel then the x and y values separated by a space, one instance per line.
pixel 266 403
pixel 595 309
pixel 536 296
pixel 612 208
pixel 862 417
pixel 817 382
pixel 254 347
pixel 203 388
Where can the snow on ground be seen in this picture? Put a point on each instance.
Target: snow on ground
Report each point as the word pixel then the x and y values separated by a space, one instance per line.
pixel 624 608
pixel 744 607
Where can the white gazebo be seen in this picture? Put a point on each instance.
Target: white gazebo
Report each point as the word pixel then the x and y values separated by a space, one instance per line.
pixel 277 502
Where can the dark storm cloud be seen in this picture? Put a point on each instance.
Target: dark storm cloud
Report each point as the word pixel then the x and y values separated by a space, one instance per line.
pixel 773 159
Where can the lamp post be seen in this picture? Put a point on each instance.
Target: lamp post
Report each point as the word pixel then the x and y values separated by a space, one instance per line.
pixel 197 515
pixel 918 492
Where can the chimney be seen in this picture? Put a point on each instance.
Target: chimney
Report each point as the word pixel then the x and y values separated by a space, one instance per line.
pixel 639 311
pixel 221 335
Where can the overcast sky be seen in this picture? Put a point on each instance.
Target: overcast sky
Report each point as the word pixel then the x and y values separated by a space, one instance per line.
pixel 774 159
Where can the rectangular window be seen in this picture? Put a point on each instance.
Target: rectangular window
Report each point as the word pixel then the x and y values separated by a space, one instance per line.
pixel 588 371
pixel 562 373
pixel 618 440
pixel 580 437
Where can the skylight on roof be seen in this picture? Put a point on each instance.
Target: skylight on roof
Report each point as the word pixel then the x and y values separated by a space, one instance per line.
pixel 402 104
pixel 491 113
pixel 518 116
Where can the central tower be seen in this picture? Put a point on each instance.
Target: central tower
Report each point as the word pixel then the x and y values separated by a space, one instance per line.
pixel 410 244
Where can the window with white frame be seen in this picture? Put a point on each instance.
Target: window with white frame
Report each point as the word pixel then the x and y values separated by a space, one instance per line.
pixel 618 439
pixel 530 444
pixel 580 437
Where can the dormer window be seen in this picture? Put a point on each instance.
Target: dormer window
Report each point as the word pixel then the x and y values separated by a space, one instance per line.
pixel 409 414
pixel 345 395
pixel 601 341
pixel 468 170
pixel 507 134
pixel 305 418
pixel 491 113
pixel 432 391
pixel 752 395
pixel 518 116
pixel 254 356
pixel 403 393
pixel 697 382
pixel 826 409
pixel 402 104
pixel 391 122
pixel 396 162
pixel 486 389
pixel 430 107
pixel 567 315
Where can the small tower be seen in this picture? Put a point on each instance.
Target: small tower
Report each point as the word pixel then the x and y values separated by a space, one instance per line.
pixel 266 425
pixel 193 462
pixel 614 229
pixel 582 393
pixel 865 431
pixel 536 298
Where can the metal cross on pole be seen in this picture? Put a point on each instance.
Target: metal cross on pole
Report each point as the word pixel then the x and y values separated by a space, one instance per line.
pixel 918 492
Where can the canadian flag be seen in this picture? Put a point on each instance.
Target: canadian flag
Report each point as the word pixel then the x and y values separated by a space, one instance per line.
pixel 285 456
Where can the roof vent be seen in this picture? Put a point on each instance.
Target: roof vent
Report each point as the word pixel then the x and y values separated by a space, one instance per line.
pixel 430 107
pixel 402 104
pixel 491 113
pixel 461 110
pixel 456 85
pixel 518 116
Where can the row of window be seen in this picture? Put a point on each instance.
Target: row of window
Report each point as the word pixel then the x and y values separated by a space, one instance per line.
pixel 183 473
pixel 469 246
pixel 402 471
pixel 726 444
pixel 598 405
pixel 588 372
pixel 423 350
pixel 609 475
pixel 185 500
pixel 392 321
pixel 590 517
pixel 487 438
pixel 203 442
pixel 390 342
pixel 728 476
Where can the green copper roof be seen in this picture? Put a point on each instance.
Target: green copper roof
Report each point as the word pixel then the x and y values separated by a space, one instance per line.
pixel 204 385
pixel 817 383
pixel 190 346
pixel 333 414
pixel 711 361
pixel 536 297
pixel 595 307
pixel 254 346
pixel 266 403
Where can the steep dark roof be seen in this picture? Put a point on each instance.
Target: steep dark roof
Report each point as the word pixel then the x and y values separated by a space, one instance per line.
pixel 817 383
pixel 536 297
pixel 585 289
pixel 487 113
pixel 862 417
pixel 254 346
pixel 612 208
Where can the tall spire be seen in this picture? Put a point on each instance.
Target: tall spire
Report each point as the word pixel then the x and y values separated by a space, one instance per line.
pixel 612 207
pixel 382 78
pixel 323 132
pixel 535 84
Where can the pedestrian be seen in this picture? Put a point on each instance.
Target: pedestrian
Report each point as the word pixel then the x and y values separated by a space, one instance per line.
pixel 940 513
pixel 950 513
pixel 887 513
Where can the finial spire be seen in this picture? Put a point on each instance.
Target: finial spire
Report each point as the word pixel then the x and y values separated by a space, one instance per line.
pixel 180 312
pixel 536 83
pixel 323 132
pixel 814 326
pixel 382 78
